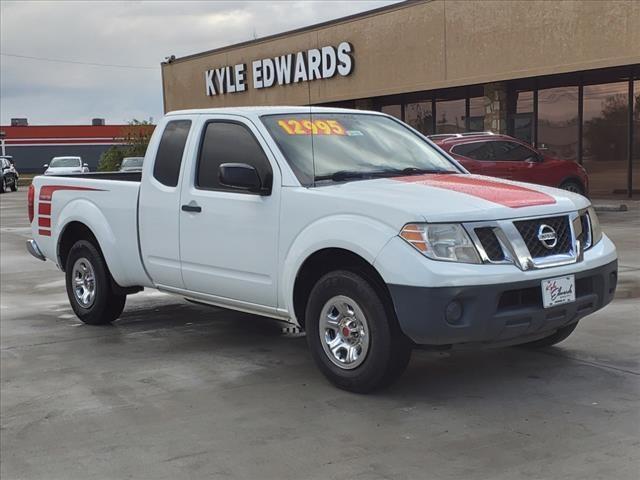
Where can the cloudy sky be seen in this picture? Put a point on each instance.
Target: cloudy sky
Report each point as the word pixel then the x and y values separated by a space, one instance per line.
pixel 128 34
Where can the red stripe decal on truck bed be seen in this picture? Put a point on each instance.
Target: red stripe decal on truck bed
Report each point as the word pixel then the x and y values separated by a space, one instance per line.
pixel 44 208
pixel 495 191
pixel 46 192
pixel 44 222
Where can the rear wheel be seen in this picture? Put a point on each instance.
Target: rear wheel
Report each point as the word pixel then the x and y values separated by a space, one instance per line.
pixel 572 186
pixel 557 337
pixel 89 286
pixel 352 334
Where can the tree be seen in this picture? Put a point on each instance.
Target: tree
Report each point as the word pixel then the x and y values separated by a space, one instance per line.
pixel 135 138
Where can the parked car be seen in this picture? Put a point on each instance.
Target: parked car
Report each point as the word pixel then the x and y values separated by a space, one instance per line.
pixel 506 157
pixel 369 239
pixel 65 165
pixel 12 164
pixel 131 164
pixel 9 179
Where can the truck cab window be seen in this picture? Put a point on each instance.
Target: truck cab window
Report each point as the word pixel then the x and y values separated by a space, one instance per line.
pixel 227 142
pixel 169 157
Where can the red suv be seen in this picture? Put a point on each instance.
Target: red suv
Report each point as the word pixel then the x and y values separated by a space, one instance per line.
pixel 502 156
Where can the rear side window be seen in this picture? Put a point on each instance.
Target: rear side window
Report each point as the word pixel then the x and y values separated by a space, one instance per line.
pixel 475 150
pixel 169 157
pixel 226 142
pixel 511 152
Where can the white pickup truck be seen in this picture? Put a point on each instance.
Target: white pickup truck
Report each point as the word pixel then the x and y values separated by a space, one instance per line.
pixel 348 224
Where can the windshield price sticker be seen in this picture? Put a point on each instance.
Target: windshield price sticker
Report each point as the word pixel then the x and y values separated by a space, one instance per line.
pixel 315 127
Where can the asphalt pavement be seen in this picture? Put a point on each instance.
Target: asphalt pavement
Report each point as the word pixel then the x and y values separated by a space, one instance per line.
pixel 174 390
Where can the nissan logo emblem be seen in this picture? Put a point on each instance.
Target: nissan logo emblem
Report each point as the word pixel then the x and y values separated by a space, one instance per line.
pixel 547 236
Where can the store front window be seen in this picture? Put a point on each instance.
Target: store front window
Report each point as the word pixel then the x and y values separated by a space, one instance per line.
pixel 450 116
pixel 604 137
pixel 476 114
pixel 521 120
pixel 636 138
pixel 393 110
pixel 419 116
pixel 558 122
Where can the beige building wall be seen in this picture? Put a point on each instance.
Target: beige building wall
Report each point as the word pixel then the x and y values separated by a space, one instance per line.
pixel 427 45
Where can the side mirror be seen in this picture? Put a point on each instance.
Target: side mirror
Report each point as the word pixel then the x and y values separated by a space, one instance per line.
pixel 46 165
pixel 243 177
pixel 85 164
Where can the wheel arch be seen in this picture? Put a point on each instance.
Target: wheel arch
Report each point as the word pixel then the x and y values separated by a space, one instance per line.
pixel 330 259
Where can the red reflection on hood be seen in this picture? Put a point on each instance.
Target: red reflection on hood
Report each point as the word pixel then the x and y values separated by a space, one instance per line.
pixel 509 195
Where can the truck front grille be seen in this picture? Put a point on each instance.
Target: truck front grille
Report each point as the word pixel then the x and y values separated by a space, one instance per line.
pixel 529 230
pixel 490 243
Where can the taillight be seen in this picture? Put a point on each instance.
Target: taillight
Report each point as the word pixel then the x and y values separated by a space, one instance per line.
pixel 30 198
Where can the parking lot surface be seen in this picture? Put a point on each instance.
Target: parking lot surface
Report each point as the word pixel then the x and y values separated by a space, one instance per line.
pixel 174 390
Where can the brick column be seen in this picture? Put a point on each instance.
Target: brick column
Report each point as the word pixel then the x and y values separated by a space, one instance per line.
pixel 495 107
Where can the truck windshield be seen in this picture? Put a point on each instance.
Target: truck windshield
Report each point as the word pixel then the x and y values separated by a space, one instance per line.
pixel 65 162
pixel 337 147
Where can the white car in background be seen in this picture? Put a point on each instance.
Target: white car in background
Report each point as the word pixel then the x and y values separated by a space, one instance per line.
pixel 65 165
pixel 131 164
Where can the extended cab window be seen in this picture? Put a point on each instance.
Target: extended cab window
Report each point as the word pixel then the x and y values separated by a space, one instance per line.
pixel 227 142
pixel 474 150
pixel 169 157
pixel 511 152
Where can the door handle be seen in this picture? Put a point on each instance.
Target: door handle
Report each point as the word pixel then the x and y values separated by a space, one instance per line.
pixel 192 207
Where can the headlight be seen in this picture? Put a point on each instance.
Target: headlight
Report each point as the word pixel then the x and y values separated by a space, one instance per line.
pixel 596 231
pixel 441 241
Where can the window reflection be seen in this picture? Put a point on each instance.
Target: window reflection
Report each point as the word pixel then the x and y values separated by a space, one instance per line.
pixel 521 122
pixel 450 116
pixel 393 110
pixel 419 116
pixel 636 138
pixel 558 122
pixel 476 114
pixel 604 134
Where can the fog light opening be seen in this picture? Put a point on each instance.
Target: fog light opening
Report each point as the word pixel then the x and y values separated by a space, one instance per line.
pixel 453 311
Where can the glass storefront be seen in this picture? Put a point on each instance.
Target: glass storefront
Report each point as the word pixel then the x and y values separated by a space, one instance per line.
pixel 584 117
pixel 420 116
pixel 476 114
pixel 605 127
pixel 450 116
pixel 558 122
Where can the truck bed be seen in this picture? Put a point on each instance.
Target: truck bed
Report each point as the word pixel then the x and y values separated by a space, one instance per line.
pixel 107 203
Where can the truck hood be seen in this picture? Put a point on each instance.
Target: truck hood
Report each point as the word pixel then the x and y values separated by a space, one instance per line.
pixel 460 197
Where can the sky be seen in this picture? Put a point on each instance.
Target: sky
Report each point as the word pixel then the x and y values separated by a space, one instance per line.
pixel 136 36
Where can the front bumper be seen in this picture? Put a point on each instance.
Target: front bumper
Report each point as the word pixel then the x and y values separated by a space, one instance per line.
pixel 503 313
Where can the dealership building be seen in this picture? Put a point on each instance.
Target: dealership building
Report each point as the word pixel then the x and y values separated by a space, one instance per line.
pixel 563 76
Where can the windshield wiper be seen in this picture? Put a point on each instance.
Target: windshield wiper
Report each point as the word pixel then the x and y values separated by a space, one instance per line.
pixel 341 175
pixel 421 171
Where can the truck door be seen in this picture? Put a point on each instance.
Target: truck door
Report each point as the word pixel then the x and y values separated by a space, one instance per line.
pixel 229 237
pixel 159 204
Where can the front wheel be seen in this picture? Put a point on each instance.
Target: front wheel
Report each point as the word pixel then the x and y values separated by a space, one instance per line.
pixel 3 185
pixel 89 286
pixel 352 333
pixel 14 185
pixel 573 186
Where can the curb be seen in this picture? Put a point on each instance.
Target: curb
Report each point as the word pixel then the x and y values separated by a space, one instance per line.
pixel 611 208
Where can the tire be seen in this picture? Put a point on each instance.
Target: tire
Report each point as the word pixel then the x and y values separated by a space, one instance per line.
pixel 14 185
pixel 87 270
pixel 346 307
pixel 573 186
pixel 3 185
pixel 557 337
